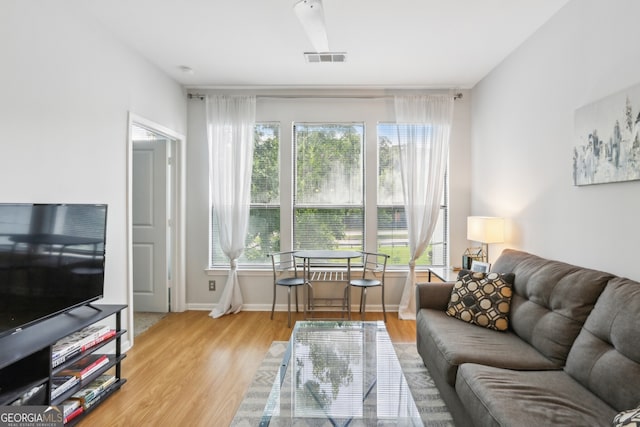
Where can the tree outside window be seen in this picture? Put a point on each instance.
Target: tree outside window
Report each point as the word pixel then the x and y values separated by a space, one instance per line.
pixel 392 235
pixel 328 210
pixel 328 202
pixel 263 233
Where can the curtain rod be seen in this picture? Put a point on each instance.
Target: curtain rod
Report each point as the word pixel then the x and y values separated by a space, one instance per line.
pixel 201 96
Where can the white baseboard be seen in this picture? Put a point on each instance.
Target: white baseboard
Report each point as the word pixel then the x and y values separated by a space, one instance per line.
pixel 283 307
pixel 200 307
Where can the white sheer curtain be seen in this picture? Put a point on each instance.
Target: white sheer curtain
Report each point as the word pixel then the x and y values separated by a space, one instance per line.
pixel 424 123
pixel 230 128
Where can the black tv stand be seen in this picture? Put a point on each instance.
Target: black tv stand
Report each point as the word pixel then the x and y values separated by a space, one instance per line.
pixel 26 358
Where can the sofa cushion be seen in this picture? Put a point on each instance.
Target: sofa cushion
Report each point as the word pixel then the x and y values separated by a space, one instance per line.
pixel 606 355
pixel 433 295
pixel 551 300
pixel 481 299
pixel 504 397
pixel 451 343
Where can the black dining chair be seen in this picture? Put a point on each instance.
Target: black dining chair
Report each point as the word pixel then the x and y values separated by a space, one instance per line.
pixel 285 273
pixel 374 266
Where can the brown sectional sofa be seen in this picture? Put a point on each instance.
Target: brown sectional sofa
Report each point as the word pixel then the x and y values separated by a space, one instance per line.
pixel 571 356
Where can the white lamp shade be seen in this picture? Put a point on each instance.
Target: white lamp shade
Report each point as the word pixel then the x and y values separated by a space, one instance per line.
pixel 485 229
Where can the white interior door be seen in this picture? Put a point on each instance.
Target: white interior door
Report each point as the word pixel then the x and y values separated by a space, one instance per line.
pixel 150 226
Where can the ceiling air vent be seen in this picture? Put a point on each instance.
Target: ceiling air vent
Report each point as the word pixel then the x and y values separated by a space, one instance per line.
pixel 318 57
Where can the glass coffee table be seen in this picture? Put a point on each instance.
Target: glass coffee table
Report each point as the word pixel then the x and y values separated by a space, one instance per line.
pixel 339 373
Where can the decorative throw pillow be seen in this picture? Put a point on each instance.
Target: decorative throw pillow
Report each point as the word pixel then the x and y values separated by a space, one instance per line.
pixel 463 273
pixel 629 418
pixel 483 299
pixel 509 277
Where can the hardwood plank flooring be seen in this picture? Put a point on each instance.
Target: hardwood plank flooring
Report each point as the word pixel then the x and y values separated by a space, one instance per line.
pixel 192 370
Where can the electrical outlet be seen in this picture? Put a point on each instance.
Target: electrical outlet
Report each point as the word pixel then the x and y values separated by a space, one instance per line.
pixel 212 285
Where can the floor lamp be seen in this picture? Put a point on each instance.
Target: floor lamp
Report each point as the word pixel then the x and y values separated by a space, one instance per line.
pixel 485 230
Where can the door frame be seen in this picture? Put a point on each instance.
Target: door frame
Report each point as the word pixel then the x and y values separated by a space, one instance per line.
pixel 177 214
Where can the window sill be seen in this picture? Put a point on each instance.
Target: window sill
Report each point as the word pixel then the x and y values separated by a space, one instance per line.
pixel 261 271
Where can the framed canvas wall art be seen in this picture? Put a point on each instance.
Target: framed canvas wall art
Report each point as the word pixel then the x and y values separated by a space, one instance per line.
pixel 607 139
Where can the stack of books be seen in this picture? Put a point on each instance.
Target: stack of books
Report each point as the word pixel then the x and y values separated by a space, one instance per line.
pixel 85 366
pixel 71 408
pixel 91 394
pixel 75 344
pixel 87 397
pixel 60 384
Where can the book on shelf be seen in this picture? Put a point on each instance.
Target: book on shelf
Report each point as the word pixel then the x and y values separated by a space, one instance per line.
pixel 69 406
pixel 79 338
pixel 86 365
pixel 60 384
pixel 73 414
pixel 91 393
pixel 76 350
pixel 78 342
pixel 59 360
pixel 92 343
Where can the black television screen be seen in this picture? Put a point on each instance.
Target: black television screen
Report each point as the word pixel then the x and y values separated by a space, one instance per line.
pixel 51 260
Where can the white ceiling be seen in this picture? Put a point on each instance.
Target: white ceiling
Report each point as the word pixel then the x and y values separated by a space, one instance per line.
pixel 390 43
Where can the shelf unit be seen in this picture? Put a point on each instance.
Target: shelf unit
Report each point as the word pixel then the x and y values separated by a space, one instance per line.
pixel 26 356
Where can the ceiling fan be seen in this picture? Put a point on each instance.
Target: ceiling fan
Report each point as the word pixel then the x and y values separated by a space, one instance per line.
pixel 311 16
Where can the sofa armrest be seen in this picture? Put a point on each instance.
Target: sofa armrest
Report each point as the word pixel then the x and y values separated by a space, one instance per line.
pixel 434 295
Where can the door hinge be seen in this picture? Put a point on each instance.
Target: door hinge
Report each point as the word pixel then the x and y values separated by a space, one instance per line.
pixel 170 161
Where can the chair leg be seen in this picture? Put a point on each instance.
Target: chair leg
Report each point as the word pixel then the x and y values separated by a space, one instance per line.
pixel 344 300
pixel 273 306
pixel 384 311
pixel 289 306
pixel 296 299
pixel 310 297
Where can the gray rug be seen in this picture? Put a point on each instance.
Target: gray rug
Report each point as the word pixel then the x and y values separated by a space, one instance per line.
pixel 432 409
pixel 144 320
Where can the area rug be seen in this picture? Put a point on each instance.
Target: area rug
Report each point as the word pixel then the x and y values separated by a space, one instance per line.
pixel 432 409
pixel 144 320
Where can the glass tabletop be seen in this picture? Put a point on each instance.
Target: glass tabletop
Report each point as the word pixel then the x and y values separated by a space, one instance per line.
pixel 340 373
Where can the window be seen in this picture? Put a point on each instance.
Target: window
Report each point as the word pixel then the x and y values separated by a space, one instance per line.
pixel 263 233
pixel 325 208
pixel 328 203
pixel 392 235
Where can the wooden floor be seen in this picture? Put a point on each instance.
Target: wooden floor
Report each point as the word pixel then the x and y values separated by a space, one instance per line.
pixel 192 370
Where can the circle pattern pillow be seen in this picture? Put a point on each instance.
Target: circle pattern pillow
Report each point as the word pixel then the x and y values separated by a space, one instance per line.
pixel 629 418
pixel 483 299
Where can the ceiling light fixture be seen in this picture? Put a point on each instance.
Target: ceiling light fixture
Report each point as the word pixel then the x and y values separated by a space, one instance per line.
pixel 311 16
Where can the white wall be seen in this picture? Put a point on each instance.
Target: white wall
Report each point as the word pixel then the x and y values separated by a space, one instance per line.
pixel 67 89
pixel 523 136
pixel 257 285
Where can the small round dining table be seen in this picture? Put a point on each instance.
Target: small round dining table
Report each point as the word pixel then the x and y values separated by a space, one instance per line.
pixel 308 255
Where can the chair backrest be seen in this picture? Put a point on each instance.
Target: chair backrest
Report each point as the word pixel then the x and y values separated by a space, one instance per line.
pixel 283 262
pixel 374 264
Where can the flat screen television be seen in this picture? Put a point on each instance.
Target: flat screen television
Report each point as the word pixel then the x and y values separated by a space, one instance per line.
pixel 52 260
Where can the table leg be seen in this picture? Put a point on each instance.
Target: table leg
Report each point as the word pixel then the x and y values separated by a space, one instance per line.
pixel 305 274
pixel 348 288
